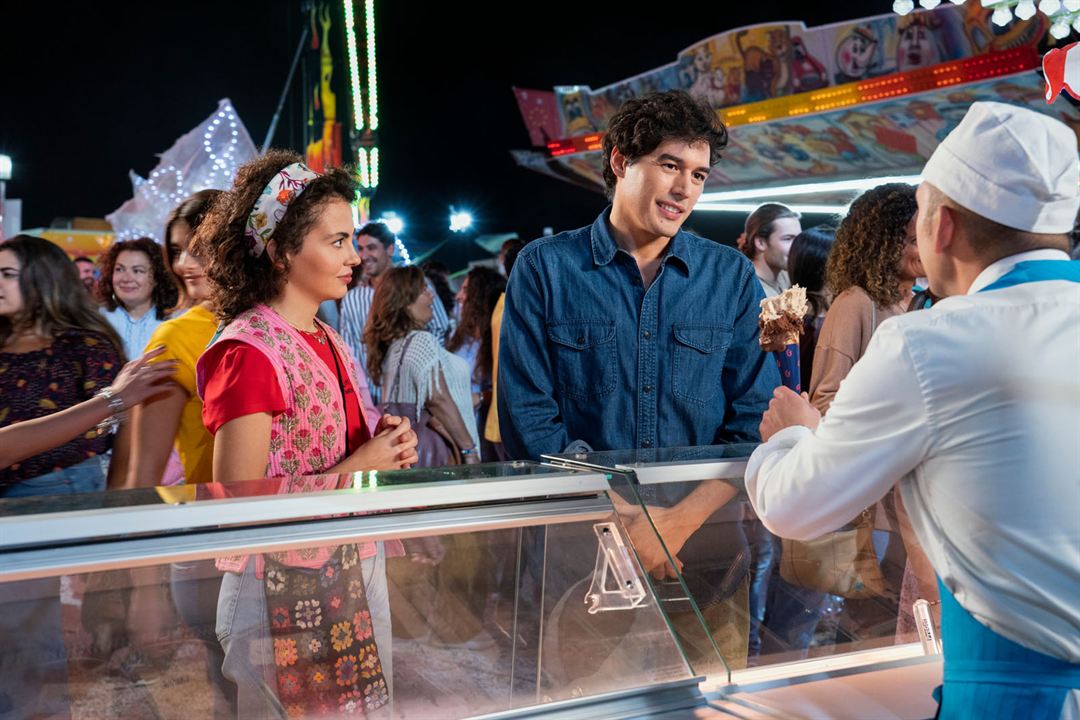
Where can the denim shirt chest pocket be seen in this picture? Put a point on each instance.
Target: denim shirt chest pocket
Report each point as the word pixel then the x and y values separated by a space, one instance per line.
pixel 698 361
pixel 583 353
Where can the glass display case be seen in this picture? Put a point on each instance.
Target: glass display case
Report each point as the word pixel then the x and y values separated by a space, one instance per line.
pixel 610 584
pixel 499 589
pixel 778 628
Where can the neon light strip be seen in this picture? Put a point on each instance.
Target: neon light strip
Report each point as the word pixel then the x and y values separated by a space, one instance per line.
pixel 373 76
pixel 750 207
pixel 354 66
pixel 362 167
pixel 980 67
pixel 375 167
pixel 807 189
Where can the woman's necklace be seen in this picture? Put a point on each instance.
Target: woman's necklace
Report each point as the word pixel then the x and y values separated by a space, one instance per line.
pixel 318 334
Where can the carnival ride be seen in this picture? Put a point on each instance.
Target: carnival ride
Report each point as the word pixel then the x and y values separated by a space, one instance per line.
pixel 814 114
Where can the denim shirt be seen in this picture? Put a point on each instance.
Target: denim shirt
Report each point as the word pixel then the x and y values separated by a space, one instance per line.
pixel 587 353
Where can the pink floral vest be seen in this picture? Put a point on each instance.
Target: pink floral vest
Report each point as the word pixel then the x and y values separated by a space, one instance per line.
pixel 309 436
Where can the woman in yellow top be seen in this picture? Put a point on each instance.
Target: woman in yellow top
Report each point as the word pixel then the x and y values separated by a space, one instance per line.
pixel 175 417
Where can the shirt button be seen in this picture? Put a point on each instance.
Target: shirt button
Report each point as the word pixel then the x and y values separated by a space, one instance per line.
pixel 581 340
pixel 635 281
pixel 647 388
pixel 646 443
pixel 648 335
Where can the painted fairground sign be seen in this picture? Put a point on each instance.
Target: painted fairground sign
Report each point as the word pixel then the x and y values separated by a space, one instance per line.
pixel 865 98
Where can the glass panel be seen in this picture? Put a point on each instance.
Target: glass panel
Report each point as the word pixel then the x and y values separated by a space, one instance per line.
pixel 765 600
pixel 448 476
pixel 518 616
pixel 698 571
pixel 614 459
pixel 845 591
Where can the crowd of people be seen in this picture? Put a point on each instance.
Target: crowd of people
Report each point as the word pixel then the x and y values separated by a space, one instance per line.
pixel 269 337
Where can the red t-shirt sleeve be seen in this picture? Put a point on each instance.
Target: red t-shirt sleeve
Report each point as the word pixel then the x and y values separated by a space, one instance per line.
pixel 240 381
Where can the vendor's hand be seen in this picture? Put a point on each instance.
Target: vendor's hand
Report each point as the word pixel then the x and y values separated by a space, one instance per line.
pixel 141 379
pixel 787 409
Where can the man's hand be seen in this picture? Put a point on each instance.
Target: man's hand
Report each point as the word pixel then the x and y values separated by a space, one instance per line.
pixel 787 409
pixel 647 543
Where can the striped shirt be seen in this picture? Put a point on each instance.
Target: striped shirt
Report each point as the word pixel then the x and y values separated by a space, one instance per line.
pixel 355 308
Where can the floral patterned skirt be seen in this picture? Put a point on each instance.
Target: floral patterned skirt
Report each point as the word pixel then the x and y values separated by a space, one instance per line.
pixel 325 654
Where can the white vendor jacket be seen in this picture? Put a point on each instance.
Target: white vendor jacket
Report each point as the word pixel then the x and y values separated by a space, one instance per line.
pixel 974 405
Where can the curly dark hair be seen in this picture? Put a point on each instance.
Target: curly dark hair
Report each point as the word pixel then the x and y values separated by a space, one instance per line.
pixel 165 291
pixel 241 281
pixel 870 243
pixel 191 211
pixel 485 287
pixel 642 123
pixel 389 317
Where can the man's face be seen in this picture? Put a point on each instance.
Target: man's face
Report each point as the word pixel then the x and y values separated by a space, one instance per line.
pixel 86 273
pixel 925 221
pixel 656 192
pixel 776 247
pixel 374 256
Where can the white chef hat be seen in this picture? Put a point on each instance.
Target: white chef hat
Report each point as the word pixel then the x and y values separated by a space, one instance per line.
pixel 1011 165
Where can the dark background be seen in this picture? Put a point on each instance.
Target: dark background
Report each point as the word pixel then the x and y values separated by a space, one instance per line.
pixel 93 89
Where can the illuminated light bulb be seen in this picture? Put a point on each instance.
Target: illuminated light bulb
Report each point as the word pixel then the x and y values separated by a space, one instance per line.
pixel 1076 24
pixel 903 7
pixel 1060 29
pixel 1049 7
pixel 929 4
pixel 1001 17
pixel 1025 10
pixel 1071 5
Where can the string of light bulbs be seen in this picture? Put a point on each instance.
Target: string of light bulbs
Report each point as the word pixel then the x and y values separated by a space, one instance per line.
pixel 1064 14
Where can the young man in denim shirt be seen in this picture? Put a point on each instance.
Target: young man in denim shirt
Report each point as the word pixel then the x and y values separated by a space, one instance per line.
pixel 631 333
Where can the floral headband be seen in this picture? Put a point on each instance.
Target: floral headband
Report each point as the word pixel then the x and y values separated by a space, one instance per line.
pixel 272 203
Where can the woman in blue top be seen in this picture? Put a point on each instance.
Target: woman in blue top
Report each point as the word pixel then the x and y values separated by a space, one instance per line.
pixel 136 291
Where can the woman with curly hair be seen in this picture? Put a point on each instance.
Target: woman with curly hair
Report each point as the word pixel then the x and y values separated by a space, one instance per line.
pixel 279 391
pixel 136 291
pixel 416 373
pixel 870 272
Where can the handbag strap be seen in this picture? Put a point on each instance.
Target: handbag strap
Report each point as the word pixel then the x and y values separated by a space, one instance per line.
pixel 397 373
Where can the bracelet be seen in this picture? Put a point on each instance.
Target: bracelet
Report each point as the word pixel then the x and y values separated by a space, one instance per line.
pixel 468 451
pixel 116 411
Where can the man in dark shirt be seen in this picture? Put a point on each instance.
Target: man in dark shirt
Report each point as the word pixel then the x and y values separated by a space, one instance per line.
pixel 632 333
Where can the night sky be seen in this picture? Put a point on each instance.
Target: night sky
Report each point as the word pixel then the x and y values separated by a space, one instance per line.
pixel 93 89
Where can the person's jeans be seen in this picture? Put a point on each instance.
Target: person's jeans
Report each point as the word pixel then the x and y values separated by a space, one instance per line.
pixel 85 477
pixel 243 628
pixel 763 558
